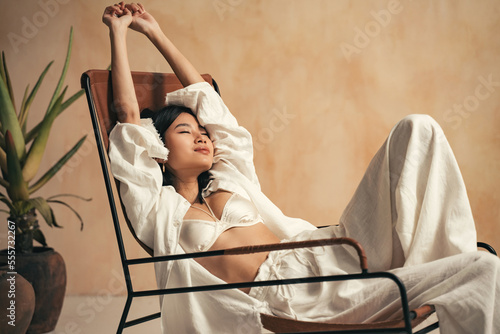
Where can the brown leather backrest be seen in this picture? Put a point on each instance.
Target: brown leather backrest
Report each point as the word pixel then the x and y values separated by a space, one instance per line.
pixel 150 89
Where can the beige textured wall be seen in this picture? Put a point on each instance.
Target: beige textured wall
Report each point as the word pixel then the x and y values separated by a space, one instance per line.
pixel 319 83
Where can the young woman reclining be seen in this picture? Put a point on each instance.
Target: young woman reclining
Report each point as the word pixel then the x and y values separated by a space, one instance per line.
pixel 188 184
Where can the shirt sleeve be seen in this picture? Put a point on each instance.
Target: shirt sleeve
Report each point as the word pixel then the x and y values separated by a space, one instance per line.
pixel 232 142
pixel 131 149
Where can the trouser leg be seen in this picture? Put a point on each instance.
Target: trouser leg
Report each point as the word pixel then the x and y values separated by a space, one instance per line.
pixel 411 206
pixel 464 289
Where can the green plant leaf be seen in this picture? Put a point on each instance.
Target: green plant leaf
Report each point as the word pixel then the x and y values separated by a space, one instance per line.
pixel 52 199
pixel 34 131
pixel 23 106
pixel 69 207
pixel 45 210
pixel 55 168
pixel 35 154
pixel 18 188
pixel 7 202
pixel 23 113
pixel 69 195
pixel 6 78
pixel 2 67
pixel 63 74
pixel 4 183
pixel 21 207
pixel 8 119
pixel 71 99
pixel 3 163
pixel 38 236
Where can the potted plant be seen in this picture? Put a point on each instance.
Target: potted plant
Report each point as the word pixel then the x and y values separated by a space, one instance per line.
pixel 21 153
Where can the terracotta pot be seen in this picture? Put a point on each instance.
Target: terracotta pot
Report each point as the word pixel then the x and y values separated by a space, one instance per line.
pixel 17 303
pixel 44 268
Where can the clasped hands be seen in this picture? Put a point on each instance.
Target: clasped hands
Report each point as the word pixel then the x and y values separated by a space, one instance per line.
pixel 132 15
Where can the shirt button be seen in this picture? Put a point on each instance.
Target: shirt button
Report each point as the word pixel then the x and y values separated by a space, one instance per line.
pixel 177 223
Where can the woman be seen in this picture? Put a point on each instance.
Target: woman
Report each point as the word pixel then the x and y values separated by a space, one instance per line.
pixel 188 184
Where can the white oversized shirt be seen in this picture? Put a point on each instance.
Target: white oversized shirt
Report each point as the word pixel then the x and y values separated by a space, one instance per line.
pixel 157 212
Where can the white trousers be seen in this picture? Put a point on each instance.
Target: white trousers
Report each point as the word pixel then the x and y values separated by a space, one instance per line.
pixel 412 216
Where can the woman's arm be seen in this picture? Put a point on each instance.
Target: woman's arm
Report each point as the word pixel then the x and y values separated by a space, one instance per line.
pixel 118 18
pixel 145 23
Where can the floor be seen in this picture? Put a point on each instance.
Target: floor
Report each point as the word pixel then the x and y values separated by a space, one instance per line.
pixel 101 315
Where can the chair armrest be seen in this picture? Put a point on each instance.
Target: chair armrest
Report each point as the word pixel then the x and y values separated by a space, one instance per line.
pixel 302 244
pixel 261 248
pixel 489 248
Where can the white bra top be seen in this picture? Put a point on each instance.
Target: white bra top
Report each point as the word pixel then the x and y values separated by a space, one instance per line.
pixel 198 235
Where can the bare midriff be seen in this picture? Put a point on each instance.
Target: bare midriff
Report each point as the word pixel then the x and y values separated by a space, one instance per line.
pixel 239 268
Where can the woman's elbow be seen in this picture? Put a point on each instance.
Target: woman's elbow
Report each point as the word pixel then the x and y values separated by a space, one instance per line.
pixel 127 113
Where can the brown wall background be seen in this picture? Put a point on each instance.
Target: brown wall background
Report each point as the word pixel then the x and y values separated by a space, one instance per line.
pixel 319 84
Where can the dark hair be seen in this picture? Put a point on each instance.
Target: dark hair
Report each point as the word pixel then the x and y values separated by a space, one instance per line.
pixel 162 119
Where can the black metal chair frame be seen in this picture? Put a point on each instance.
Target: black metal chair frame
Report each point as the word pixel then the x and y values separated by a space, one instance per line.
pixel 126 262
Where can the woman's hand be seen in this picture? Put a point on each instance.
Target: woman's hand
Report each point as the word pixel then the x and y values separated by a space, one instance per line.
pixel 135 16
pixel 142 21
pixel 117 15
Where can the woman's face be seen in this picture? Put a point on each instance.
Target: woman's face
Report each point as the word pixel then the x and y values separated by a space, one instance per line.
pixel 190 146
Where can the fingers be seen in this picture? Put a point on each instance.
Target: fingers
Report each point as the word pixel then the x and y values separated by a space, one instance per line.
pixel 126 11
pixel 121 9
pixel 135 8
pixel 117 8
pixel 113 10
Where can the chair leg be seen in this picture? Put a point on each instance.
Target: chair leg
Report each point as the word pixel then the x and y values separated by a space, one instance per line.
pixel 123 319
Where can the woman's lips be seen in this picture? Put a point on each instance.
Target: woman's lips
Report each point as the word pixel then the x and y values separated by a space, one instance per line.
pixel 202 150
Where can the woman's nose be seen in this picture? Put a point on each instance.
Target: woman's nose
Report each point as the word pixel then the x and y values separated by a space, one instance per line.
pixel 201 139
